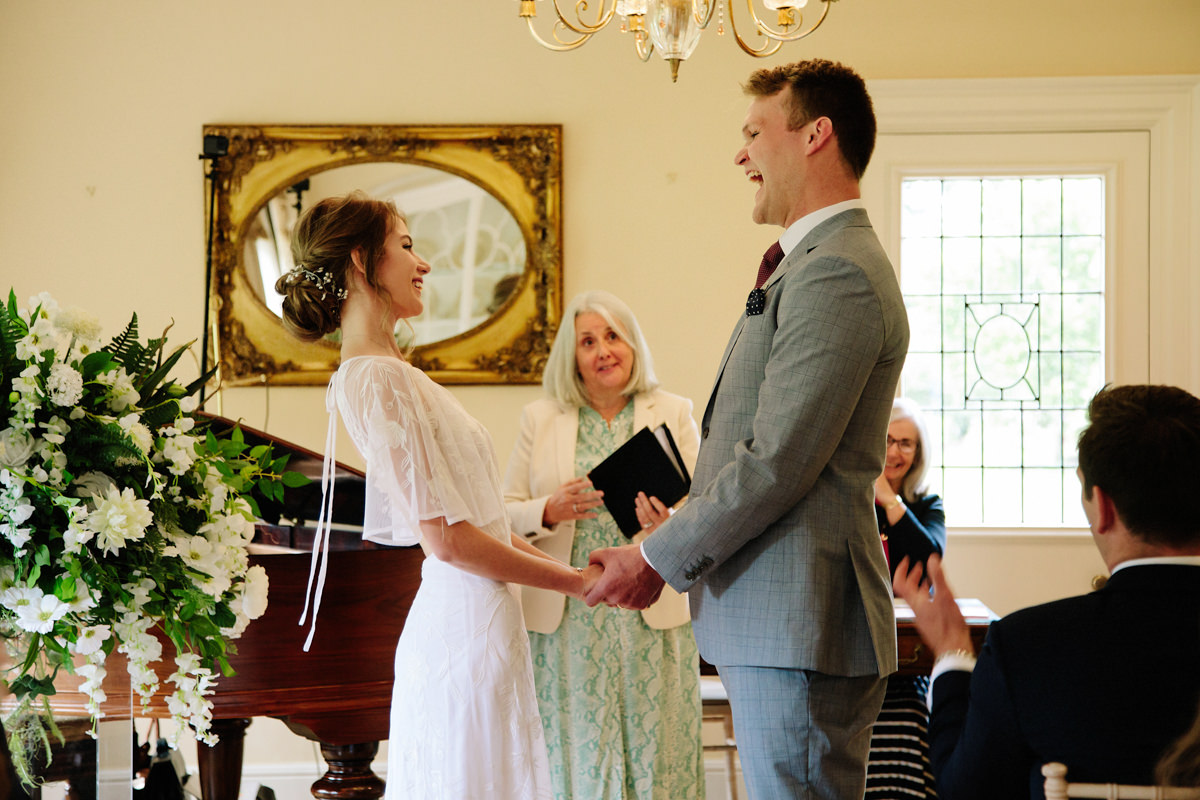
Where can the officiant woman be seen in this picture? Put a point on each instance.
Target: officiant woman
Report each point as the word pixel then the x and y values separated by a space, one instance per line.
pixel 618 689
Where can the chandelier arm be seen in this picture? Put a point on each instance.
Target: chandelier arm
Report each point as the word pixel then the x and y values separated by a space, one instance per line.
pixel 703 19
pixel 770 46
pixel 562 46
pixel 603 17
pixel 784 36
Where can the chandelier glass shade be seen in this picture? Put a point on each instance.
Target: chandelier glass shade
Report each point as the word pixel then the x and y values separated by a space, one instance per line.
pixel 672 28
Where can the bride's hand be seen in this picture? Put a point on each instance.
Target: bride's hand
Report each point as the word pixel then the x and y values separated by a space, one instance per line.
pixel 591 573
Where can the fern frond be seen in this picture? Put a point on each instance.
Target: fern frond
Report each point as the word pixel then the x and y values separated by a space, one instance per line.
pixel 126 340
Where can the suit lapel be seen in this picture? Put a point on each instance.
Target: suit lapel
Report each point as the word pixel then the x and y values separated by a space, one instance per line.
pixel 855 217
pixel 566 430
pixel 643 411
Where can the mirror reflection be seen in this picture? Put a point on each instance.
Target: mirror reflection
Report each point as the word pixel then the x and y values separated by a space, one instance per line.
pixel 470 239
pixel 484 202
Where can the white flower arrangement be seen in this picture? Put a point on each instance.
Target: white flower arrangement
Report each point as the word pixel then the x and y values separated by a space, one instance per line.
pixel 120 516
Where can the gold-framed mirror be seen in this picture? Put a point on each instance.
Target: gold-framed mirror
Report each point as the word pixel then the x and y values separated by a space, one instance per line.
pixel 484 205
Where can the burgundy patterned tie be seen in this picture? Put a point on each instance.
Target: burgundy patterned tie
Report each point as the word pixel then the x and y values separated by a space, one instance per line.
pixel 757 300
pixel 770 261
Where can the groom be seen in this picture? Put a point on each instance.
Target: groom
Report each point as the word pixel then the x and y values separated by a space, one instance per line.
pixel 778 547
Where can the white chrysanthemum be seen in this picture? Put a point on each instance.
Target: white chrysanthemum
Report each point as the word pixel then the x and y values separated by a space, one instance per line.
pixel 135 430
pixel 16 446
pixel 65 385
pixel 119 517
pixel 79 324
pixel 39 617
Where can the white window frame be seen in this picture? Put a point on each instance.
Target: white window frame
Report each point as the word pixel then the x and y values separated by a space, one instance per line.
pixel 1167 110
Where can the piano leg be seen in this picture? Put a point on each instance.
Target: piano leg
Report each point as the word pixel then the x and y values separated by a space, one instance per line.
pixel 221 764
pixel 349 776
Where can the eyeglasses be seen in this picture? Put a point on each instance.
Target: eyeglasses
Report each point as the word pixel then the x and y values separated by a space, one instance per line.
pixel 903 445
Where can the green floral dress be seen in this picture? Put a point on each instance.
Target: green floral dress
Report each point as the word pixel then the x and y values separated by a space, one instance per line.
pixel 620 701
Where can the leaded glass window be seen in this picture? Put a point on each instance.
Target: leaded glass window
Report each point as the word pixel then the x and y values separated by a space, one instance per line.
pixel 1004 282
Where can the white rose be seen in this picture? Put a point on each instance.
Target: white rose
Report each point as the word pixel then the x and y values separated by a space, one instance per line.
pixel 93 484
pixel 16 446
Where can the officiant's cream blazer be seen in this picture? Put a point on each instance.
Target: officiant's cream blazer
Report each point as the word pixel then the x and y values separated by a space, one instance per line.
pixel 544 459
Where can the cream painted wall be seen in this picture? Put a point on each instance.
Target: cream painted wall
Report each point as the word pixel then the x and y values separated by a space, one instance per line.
pixel 102 197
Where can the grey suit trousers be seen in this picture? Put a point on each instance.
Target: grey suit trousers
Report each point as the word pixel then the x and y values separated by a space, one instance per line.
pixel 802 734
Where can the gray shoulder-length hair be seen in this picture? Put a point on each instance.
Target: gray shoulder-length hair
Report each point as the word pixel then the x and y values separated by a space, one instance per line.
pixel 561 378
pixel 913 486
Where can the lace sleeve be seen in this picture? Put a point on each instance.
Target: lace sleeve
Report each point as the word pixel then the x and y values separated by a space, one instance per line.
pixel 426 457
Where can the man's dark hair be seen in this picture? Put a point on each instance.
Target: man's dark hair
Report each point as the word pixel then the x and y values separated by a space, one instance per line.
pixel 823 88
pixel 1142 447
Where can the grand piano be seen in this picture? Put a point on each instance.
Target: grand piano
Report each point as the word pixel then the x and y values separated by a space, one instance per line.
pixel 338 693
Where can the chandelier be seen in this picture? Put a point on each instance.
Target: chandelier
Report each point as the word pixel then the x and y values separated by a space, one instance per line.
pixel 673 27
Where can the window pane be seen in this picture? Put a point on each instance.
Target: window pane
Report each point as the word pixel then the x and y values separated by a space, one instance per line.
pixel 921 208
pixel 1083 206
pixel 1041 212
pixel 1002 207
pixel 1082 262
pixel 960 258
pixel 961 199
pixel 1002 264
pixel 922 265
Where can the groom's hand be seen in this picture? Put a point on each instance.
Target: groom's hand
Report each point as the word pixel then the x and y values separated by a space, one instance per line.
pixel 628 581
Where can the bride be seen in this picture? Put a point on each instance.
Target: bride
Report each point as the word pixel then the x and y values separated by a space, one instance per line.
pixel 464 718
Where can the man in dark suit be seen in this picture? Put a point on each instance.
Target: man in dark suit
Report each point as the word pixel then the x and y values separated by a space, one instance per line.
pixel 1102 682
pixel 778 546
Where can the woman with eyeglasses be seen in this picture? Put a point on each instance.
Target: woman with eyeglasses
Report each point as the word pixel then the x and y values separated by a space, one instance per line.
pixel 911 520
pixel 913 524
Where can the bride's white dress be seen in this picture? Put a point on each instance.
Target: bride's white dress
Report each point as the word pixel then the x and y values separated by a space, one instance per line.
pixel 464 720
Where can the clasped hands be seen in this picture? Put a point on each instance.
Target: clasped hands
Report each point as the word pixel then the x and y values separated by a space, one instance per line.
pixel 619 577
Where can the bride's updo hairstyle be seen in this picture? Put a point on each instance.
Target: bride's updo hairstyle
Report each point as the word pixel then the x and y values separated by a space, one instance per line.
pixel 322 243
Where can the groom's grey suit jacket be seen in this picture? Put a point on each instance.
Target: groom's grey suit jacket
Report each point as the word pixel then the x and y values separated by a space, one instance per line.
pixel 778 546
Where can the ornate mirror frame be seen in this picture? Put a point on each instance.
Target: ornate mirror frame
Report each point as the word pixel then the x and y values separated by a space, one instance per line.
pixel 520 165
